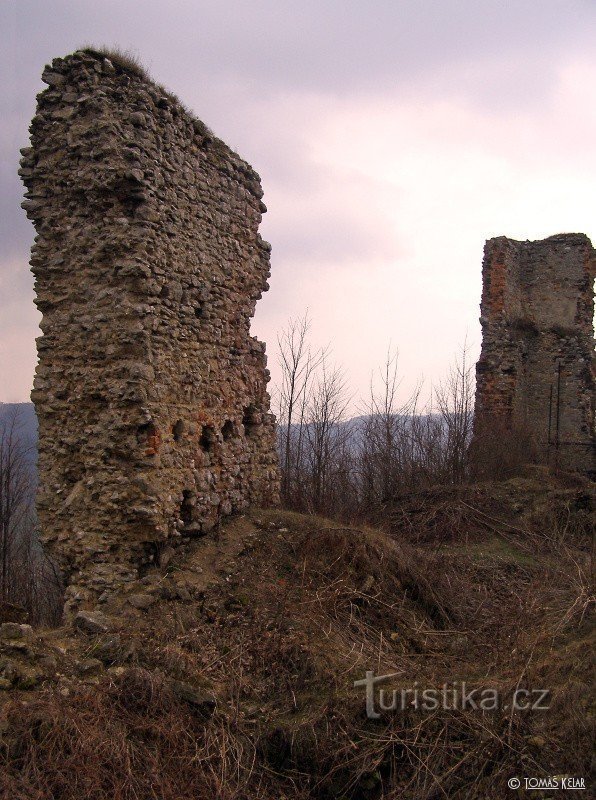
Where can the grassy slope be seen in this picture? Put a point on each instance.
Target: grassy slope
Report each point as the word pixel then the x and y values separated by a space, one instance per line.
pixel 278 615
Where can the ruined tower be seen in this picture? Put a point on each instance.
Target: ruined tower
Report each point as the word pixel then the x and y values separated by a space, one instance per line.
pixel 154 417
pixel 536 372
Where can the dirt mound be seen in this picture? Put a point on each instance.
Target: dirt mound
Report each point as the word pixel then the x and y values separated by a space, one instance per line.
pixel 230 674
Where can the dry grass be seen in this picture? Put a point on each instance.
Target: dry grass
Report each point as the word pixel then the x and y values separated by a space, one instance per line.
pixel 123 60
pixel 128 738
pixel 300 613
pixel 129 63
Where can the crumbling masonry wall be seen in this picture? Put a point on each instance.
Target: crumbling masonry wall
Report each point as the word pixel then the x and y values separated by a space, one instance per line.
pixel 154 417
pixel 536 372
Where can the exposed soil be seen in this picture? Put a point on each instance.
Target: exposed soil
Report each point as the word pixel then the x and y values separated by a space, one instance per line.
pixel 231 673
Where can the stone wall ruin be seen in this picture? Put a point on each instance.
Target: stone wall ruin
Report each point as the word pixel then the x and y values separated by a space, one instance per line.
pixel 151 394
pixel 537 369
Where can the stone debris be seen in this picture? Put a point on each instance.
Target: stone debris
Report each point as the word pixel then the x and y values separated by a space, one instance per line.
pixel 112 648
pixel 141 601
pixel 537 369
pixel 13 630
pixel 87 666
pixel 199 698
pixel 92 622
pixel 154 418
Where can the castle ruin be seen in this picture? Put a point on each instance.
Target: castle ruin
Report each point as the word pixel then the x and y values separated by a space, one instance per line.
pixel 537 369
pixel 151 396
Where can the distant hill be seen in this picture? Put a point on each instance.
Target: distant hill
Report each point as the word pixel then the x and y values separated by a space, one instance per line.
pixel 27 417
pixel 25 425
pixel 351 430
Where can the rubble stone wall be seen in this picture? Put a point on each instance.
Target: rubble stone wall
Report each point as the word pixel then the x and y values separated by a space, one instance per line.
pixel 154 418
pixel 537 315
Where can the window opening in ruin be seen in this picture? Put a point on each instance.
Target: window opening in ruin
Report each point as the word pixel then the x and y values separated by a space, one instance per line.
pixel 228 430
pixel 146 432
pixel 207 438
pixel 178 430
pixel 148 559
pixel 187 507
pixel 248 420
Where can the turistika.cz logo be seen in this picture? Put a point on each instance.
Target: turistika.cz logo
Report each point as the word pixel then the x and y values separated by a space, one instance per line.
pixel 454 696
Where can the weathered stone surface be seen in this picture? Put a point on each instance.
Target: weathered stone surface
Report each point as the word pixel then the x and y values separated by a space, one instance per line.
pixel 141 601
pixel 8 670
pixel 150 392
pixel 200 698
pixel 48 665
pixel 88 665
pixel 12 630
pixel 113 649
pixel 52 78
pixel 91 622
pixel 537 316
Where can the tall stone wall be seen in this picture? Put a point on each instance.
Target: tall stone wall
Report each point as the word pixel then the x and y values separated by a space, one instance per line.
pixel 537 370
pixel 154 417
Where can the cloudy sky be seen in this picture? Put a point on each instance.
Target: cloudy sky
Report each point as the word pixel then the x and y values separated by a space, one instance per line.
pixel 392 138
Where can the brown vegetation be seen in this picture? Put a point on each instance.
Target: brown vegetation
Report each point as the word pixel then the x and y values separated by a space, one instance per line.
pixel 124 60
pixel 29 586
pixel 130 63
pixel 352 468
pixel 293 610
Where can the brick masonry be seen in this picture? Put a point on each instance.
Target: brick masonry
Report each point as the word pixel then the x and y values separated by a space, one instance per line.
pixel 537 315
pixel 154 417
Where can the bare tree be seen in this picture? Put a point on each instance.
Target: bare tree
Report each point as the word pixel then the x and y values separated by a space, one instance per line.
pixel 16 496
pixel 387 447
pixel 27 578
pixel 355 468
pixel 327 437
pixel 455 403
pixel 298 364
pixel 403 447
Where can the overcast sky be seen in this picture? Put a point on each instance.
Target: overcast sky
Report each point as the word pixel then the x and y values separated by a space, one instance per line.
pixel 392 138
